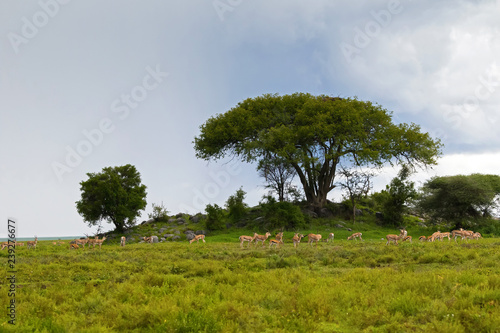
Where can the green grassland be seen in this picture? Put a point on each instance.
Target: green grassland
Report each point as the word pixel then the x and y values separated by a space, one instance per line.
pixel 344 286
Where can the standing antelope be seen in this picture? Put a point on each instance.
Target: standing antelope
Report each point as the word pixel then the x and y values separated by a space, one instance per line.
pixel 355 236
pixel 261 238
pixel 393 238
pixel 99 241
pixel 313 238
pixel 197 239
pixel 246 239
pixel 275 242
pixel 331 236
pixel 32 244
pixel 123 239
pixel 279 236
pixel 296 239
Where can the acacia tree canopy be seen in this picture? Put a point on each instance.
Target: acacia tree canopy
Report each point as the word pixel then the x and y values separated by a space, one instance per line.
pixel 460 197
pixel 115 195
pixel 314 134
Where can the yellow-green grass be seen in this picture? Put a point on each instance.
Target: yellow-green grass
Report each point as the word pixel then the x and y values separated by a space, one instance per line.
pixel 344 286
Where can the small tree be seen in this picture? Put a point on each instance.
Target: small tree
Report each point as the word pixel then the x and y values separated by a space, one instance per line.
pixel 396 195
pixel 115 195
pixel 356 185
pixel 215 217
pixel 160 212
pixel 235 206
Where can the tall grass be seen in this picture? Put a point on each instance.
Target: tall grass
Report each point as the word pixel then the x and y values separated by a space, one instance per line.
pixel 344 286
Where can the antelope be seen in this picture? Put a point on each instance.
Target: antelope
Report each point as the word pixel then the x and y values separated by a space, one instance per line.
pixel 403 232
pixel 422 238
pixel 82 241
pixel 477 235
pixel 355 236
pixel 73 246
pixel 459 233
pixel 6 244
pixel 443 235
pixel 148 239
pixel 433 237
pixel 99 241
pixel 331 236
pixel 32 244
pixel 296 239
pixel 246 239
pixel 279 236
pixel 393 238
pixel 313 238
pixel 275 242
pixel 123 239
pixel 407 238
pixel 197 239
pixel 261 238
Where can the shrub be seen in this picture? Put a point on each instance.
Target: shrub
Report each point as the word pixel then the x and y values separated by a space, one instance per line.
pixel 278 215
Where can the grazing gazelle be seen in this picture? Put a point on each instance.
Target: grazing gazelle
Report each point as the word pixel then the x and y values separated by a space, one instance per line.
pixel 123 239
pixel 197 239
pixel 355 236
pixel 393 238
pixel 313 238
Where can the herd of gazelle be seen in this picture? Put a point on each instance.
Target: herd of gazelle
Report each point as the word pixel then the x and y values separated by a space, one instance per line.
pixel 311 238
pixel 256 238
pixel 463 234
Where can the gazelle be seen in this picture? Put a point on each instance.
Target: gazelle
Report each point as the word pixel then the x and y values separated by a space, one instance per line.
pixel 275 242
pixel 331 236
pixel 245 239
pixel 459 233
pixel 313 238
pixel 197 239
pixel 296 239
pixel 6 244
pixel 407 238
pixel 477 235
pixel 393 238
pixel 82 242
pixel 355 236
pixel 279 236
pixel 433 237
pixel 32 244
pixel 99 241
pixel 443 235
pixel 148 239
pixel 422 238
pixel 73 246
pixel 123 239
pixel 261 238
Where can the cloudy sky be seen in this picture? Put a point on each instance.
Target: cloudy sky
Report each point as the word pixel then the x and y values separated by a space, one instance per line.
pixel 90 84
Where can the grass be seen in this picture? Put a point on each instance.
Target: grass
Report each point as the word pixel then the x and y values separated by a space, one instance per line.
pixel 344 286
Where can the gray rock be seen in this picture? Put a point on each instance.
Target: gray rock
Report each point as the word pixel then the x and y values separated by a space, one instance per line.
pixel 154 239
pixel 176 238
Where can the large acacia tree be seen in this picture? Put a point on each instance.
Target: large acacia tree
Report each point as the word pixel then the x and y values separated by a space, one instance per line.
pixel 314 134
pixel 115 195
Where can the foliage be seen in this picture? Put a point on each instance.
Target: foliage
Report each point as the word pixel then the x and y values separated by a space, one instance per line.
pixel 395 197
pixel 314 134
pixel 281 215
pixel 236 207
pixel 216 217
pixel 115 195
pixel 160 212
pixel 460 197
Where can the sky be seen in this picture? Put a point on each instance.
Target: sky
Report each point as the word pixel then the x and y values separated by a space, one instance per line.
pixel 91 84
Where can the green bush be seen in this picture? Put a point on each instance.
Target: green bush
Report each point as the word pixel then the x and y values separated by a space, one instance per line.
pixel 278 215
